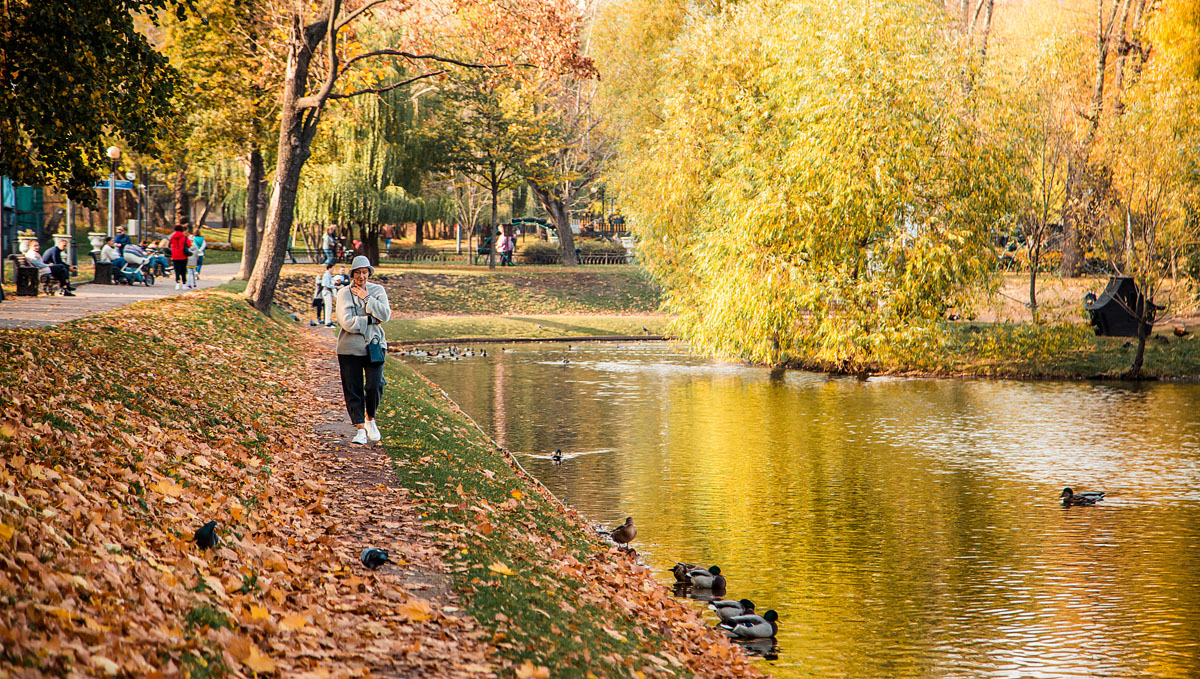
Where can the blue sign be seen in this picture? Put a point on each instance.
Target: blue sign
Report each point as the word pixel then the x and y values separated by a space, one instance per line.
pixel 120 184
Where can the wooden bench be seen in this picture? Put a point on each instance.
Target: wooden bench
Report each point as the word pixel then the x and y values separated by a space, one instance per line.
pixel 28 279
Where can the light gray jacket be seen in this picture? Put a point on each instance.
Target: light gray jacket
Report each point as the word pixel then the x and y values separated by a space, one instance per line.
pixel 352 314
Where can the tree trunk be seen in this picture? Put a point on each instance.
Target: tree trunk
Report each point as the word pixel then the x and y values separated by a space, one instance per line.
pixel 562 222
pixel 250 246
pixel 1033 306
pixel 183 202
pixel 296 130
pixel 419 231
pixel 1135 370
pixel 495 186
pixel 1072 260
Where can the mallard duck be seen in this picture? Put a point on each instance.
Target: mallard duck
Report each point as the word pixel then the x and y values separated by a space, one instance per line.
pixel 624 533
pixel 752 626
pixel 729 609
pixel 1073 499
pixel 557 456
pixel 707 579
pixel 681 570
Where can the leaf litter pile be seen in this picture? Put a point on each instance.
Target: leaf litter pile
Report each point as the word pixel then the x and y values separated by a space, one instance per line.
pixel 121 434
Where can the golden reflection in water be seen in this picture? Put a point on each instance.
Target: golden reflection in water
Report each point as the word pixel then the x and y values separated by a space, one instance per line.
pixel 904 528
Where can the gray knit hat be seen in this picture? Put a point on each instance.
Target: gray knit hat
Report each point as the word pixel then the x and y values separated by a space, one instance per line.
pixel 361 262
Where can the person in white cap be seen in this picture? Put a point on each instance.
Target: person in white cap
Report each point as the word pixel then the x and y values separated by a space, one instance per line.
pixel 362 309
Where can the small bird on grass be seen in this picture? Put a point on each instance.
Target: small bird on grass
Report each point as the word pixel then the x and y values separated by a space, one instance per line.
pixel 1073 499
pixel 624 533
pixel 206 535
pixel 1181 331
pixel 373 558
pixel 645 330
pixel 752 626
pixel 557 456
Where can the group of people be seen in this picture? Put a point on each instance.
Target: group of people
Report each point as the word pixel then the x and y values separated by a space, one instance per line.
pixel 126 256
pixel 325 289
pixel 53 264
pixel 187 256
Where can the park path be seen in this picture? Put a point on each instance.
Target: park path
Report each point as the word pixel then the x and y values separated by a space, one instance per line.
pixel 42 311
pixel 373 510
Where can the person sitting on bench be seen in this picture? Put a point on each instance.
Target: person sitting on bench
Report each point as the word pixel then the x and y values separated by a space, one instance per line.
pixel 57 271
pixel 109 253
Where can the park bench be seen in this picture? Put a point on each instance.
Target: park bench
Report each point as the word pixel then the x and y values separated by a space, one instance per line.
pixel 103 270
pixel 28 279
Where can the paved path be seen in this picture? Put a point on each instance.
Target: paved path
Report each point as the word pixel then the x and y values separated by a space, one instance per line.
pixel 41 311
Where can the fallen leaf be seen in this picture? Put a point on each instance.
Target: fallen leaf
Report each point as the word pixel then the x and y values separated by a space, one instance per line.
pixel 259 662
pixel 6 531
pixel 500 568
pixel 416 610
pixel 528 671
pixel 293 622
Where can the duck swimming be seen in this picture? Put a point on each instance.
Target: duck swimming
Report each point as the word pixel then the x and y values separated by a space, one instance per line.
pixel 752 626
pixel 707 579
pixel 681 571
pixel 1073 499
pixel 729 609
pixel 557 456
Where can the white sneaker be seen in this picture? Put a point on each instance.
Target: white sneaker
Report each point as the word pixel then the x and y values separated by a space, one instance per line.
pixel 360 438
pixel 177 286
pixel 373 431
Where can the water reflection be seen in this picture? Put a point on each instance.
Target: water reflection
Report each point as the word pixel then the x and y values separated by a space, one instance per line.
pixel 900 527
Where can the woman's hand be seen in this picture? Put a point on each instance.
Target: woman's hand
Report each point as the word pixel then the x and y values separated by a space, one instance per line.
pixel 358 292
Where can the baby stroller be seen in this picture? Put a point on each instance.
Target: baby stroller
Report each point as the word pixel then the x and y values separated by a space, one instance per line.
pixel 132 272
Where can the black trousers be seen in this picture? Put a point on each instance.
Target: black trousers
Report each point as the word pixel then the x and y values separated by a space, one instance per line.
pixel 61 274
pixel 362 386
pixel 180 270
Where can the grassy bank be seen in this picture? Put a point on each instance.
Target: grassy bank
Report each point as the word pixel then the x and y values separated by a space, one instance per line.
pixel 1027 351
pixel 548 327
pixel 522 291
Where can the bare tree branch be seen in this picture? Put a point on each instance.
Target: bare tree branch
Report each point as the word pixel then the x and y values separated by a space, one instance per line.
pixel 387 88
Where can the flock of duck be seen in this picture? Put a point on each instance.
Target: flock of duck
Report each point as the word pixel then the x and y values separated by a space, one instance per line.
pixel 738 618
pixel 454 353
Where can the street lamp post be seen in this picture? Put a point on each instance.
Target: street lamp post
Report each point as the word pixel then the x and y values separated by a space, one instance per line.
pixel 114 155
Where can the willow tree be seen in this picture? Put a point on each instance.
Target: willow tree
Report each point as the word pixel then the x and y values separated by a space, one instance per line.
pixel 823 190
pixel 321 46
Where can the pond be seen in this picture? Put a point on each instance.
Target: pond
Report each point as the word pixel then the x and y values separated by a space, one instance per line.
pixel 900 527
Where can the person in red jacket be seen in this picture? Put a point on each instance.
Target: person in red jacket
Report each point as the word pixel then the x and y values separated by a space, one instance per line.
pixel 180 244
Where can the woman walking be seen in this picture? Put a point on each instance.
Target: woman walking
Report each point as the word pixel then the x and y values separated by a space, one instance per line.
pixel 362 309
pixel 179 255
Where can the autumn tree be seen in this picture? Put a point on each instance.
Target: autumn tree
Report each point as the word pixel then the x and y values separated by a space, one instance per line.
pixel 229 101
pixel 72 76
pixel 324 60
pixel 486 133
pixel 822 190
pixel 1153 150
pixel 576 151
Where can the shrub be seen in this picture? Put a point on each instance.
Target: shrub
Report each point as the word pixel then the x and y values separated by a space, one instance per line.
pixel 539 252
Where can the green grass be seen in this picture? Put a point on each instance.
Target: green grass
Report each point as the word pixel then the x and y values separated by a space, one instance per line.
pixel 424 291
pixel 456 474
pixel 1026 351
pixel 449 327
